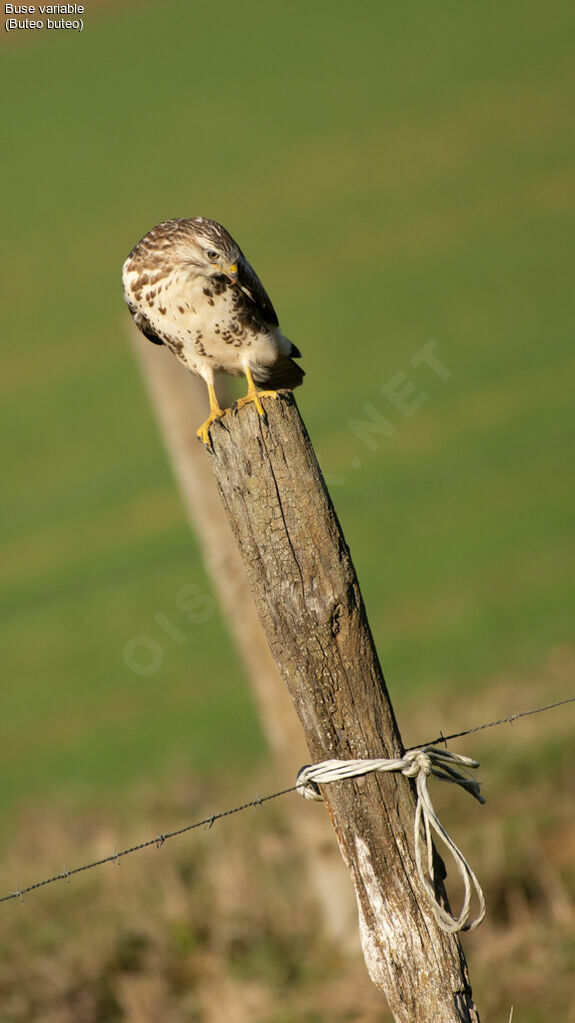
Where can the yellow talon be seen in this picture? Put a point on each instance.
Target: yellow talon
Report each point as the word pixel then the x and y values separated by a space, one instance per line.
pixel 215 413
pixel 254 395
pixel 203 432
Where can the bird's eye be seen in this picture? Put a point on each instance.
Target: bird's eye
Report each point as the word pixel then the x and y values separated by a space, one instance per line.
pixel 212 254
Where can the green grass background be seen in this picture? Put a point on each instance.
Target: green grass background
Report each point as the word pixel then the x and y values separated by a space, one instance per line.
pixel 397 173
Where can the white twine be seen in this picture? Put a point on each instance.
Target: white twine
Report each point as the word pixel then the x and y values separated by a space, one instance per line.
pixel 417 764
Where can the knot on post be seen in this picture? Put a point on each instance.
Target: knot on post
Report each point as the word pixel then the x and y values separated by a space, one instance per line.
pixel 419 764
pixel 419 760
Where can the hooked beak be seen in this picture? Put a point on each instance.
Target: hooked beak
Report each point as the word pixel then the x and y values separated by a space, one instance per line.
pixel 231 271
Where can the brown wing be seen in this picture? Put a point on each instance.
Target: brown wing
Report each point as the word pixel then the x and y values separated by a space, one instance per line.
pixel 144 325
pixel 260 304
pixel 253 289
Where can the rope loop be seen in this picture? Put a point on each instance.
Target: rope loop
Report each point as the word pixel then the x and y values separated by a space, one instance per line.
pixel 419 764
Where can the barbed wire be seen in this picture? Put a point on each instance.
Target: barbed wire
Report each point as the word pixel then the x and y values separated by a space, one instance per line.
pixel 208 822
pixel 501 721
pixel 158 841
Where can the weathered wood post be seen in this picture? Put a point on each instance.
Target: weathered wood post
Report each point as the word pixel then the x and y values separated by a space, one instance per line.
pixel 308 598
pixel 179 402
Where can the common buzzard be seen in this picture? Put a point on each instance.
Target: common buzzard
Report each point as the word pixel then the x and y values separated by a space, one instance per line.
pixel 189 286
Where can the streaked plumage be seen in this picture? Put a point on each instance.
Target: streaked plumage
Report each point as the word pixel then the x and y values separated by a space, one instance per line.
pixel 189 286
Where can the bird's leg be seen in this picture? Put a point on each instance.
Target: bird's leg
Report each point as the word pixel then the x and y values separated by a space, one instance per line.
pixel 253 394
pixel 215 413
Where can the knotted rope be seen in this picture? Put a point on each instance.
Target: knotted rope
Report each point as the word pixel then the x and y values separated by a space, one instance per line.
pixel 418 764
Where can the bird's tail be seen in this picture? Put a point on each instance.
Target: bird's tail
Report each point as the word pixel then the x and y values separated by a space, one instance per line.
pixel 284 373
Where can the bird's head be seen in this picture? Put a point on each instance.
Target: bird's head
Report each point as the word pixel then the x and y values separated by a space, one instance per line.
pixel 215 252
pixel 219 265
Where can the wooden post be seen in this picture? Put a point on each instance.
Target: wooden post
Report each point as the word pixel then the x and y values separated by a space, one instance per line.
pixel 179 401
pixel 308 598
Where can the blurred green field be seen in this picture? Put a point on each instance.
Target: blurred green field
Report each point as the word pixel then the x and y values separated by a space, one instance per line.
pixel 397 174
